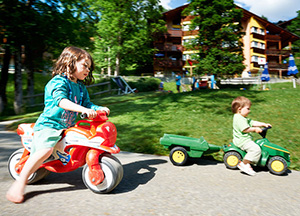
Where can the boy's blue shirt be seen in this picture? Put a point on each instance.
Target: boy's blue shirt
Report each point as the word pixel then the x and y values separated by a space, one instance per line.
pixel 57 89
pixel 178 81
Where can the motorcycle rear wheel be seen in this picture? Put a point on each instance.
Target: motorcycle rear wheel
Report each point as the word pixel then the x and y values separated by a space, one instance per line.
pixel 34 177
pixel 113 174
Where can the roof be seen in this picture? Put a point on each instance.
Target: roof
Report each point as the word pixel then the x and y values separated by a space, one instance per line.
pixel 271 26
pixel 285 35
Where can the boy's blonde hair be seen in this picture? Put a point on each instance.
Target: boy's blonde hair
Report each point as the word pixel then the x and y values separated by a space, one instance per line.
pixel 66 63
pixel 239 102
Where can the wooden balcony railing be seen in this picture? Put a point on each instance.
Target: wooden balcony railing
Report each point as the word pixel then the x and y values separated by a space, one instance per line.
pixel 273 37
pixel 169 47
pixel 174 33
pixel 188 18
pixel 258 50
pixel 273 65
pixel 167 63
pixel 189 33
pixel 258 36
pixel 277 52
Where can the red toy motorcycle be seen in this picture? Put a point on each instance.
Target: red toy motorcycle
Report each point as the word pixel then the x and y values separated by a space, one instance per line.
pixel 90 143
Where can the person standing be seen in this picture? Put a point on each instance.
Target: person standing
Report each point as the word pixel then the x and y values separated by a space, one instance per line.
pixel 178 82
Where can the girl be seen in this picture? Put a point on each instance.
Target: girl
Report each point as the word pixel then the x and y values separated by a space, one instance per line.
pixel 65 96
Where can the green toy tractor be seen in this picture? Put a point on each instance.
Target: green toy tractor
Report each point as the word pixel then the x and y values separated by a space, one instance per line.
pixel 275 157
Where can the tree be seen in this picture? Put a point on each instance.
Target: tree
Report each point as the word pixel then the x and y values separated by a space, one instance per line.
pixel 264 17
pixel 218 43
pixel 37 27
pixel 125 32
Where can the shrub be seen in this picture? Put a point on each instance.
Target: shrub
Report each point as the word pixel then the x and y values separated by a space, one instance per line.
pixel 145 84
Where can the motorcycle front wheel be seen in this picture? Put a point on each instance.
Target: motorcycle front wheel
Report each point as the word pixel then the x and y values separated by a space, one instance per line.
pixel 34 177
pixel 113 174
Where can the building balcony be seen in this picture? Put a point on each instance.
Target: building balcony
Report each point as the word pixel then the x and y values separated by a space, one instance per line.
pixel 277 66
pixel 169 47
pixel 273 38
pixel 258 36
pixel 272 66
pixel 190 33
pixel 258 50
pixel 168 63
pixel 174 33
pixel 188 18
pixel 277 52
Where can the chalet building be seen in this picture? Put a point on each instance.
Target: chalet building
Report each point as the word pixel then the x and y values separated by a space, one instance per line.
pixel 263 42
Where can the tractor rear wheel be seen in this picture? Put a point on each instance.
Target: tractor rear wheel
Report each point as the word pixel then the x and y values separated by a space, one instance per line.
pixel 178 156
pixel 232 159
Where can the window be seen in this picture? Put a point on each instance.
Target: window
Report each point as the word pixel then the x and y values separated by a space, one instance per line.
pixel 257 45
pixel 254 58
pixel 185 28
pixel 262 31
pixel 253 29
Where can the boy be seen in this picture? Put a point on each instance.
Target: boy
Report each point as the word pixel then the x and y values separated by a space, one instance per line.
pixel 242 127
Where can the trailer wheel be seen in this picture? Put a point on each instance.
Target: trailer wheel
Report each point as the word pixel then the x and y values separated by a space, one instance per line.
pixel 232 159
pixel 277 165
pixel 178 156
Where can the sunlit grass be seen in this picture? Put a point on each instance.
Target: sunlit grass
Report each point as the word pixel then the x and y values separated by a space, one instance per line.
pixel 142 119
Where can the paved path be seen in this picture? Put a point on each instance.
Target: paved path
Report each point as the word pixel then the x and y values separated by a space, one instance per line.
pixel 153 186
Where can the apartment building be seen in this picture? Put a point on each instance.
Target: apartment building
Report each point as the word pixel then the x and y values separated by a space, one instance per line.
pixel 263 42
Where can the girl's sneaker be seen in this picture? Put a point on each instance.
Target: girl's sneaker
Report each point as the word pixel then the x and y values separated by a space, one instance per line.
pixel 246 168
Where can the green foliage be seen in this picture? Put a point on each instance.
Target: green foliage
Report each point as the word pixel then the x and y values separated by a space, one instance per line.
pixel 145 84
pixel 125 33
pixel 219 42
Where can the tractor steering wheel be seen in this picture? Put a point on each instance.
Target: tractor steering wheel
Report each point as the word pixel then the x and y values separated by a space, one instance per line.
pixel 264 131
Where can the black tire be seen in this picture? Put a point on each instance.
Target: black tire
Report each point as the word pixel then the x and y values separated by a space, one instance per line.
pixel 34 177
pixel 178 156
pixel 231 159
pixel 277 165
pixel 113 172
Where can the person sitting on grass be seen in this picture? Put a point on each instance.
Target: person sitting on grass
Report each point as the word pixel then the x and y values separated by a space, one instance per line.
pixel 242 127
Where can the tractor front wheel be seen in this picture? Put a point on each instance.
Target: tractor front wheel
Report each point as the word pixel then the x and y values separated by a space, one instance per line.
pixel 277 165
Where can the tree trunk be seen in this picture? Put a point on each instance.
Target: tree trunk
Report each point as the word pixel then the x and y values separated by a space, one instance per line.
pixel 108 64
pixel 108 67
pixel 18 82
pixel 117 70
pixel 30 74
pixel 4 77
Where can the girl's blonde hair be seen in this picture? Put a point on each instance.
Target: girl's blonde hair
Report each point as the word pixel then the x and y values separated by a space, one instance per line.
pixel 239 102
pixel 66 63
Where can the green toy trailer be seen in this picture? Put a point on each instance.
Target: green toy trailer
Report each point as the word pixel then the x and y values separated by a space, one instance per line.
pixel 182 147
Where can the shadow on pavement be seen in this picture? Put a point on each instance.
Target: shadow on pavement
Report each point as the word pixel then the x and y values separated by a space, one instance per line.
pixel 203 161
pixel 137 173
pixel 73 178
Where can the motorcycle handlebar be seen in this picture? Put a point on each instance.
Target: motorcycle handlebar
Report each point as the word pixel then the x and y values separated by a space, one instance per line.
pixel 99 112
pixel 83 115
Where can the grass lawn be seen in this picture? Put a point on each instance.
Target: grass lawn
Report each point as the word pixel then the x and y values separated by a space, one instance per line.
pixel 141 119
